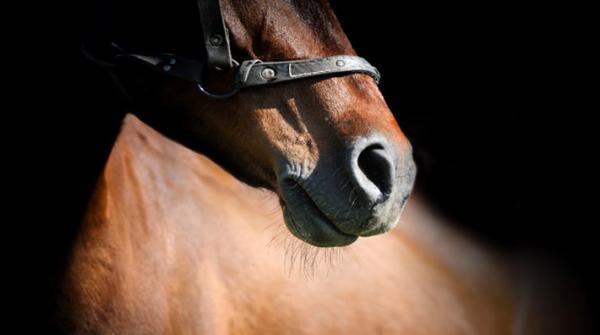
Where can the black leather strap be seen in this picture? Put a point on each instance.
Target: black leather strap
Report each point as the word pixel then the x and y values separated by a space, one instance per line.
pixel 167 64
pixel 216 36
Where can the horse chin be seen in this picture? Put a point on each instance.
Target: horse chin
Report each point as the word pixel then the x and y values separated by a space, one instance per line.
pixel 305 220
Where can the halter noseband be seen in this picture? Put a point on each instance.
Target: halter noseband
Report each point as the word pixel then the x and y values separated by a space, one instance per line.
pixel 249 73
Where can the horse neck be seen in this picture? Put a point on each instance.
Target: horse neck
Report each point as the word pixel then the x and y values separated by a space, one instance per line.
pixel 155 187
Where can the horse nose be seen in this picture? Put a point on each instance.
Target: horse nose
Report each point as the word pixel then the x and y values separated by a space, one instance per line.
pixel 372 168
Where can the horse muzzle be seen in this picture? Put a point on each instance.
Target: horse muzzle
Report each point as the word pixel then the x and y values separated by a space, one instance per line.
pixel 360 191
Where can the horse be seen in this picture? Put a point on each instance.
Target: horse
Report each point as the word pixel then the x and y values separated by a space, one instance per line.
pixel 280 209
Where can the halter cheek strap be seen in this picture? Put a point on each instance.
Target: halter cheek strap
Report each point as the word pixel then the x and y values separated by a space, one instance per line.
pixel 216 36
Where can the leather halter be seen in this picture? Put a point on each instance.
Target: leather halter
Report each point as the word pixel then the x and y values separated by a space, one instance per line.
pixel 249 73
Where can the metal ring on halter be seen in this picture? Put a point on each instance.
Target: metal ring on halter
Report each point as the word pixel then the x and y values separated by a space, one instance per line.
pixel 232 92
pixel 225 95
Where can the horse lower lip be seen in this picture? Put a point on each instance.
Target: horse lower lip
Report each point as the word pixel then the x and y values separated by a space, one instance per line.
pixel 307 222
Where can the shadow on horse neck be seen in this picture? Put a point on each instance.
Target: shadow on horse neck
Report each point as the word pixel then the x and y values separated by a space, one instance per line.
pixel 210 229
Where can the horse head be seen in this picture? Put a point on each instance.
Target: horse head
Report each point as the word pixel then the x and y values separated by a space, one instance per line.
pixel 329 147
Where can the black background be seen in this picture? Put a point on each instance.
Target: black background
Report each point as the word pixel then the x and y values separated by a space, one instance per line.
pixel 494 97
pixel 491 94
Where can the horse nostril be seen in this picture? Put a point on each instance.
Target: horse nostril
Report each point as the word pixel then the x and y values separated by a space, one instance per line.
pixel 376 165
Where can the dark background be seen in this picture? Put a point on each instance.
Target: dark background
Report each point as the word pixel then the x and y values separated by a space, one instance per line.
pixel 494 97
pixel 491 94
